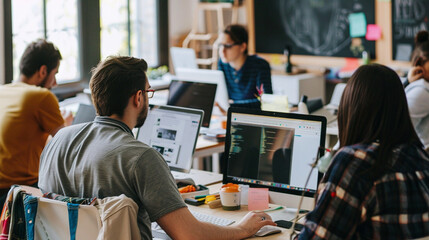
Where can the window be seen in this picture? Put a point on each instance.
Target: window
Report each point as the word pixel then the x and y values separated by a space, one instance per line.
pixel 129 27
pixel 54 20
pixel 85 31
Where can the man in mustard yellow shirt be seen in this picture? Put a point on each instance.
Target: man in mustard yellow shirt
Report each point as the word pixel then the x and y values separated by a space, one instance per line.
pixel 29 113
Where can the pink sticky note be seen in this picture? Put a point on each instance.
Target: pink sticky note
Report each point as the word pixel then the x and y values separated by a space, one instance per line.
pixel 258 199
pixel 351 65
pixel 373 32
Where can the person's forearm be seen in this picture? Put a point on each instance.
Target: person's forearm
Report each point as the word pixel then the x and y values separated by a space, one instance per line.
pixel 210 231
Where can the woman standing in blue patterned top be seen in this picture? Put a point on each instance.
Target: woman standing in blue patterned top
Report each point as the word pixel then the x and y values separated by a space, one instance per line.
pixel 377 186
pixel 244 74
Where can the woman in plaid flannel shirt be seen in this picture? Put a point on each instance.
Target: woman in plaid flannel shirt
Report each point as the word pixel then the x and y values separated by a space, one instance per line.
pixel 377 186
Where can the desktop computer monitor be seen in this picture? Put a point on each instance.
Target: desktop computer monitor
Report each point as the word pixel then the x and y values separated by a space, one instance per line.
pixel 173 132
pixel 208 76
pixel 193 95
pixel 274 150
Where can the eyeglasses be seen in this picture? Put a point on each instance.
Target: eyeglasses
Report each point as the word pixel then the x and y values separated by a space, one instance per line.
pixel 228 46
pixel 150 92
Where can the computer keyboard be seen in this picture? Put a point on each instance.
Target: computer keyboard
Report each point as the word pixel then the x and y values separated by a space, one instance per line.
pixel 212 219
pixel 158 233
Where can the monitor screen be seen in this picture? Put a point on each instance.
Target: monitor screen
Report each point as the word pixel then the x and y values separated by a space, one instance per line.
pixel 273 150
pixel 195 95
pixel 208 76
pixel 173 132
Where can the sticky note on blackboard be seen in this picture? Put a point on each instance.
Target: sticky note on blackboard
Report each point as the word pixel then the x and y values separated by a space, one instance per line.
pixel 373 32
pixel 357 24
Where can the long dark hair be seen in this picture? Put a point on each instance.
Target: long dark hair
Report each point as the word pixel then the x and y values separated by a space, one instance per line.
pixel 374 108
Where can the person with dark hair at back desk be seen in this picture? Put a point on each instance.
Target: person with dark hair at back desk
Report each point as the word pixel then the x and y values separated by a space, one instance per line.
pixel 377 185
pixel 244 74
pixel 417 87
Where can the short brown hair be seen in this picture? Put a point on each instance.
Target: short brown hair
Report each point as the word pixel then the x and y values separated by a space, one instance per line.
pixel 37 54
pixel 237 33
pixel 374 108
pixel 114 81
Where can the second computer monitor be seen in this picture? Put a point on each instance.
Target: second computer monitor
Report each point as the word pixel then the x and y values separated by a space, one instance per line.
pixel 273 150
pixel 193 95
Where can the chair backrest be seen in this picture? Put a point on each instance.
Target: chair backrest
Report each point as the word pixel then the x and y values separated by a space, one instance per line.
pixel 29 215
pixel 57 220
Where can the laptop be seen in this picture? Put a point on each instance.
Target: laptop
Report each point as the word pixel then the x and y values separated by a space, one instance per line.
pixel 173 131
pixel 85 113
pixel 207 76
pixel 195 95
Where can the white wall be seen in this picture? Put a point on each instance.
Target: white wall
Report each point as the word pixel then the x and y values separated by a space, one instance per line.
pixel 2 70
pixel 180 17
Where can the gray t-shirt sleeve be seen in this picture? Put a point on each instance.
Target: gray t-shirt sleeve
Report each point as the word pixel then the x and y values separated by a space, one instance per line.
pixel 156 185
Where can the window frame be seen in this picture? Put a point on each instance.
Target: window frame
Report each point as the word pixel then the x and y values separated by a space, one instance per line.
pixel 89 43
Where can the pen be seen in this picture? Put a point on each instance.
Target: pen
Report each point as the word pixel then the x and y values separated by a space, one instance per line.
pixel 273 209
pixel 203 196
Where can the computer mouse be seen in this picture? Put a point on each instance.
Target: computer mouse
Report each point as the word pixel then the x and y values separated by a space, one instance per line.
pixel 268 230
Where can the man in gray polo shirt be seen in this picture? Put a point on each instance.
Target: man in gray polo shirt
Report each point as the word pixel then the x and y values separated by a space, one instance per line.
pixel 102 159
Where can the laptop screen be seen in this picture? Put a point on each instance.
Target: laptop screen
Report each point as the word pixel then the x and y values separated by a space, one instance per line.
pixel 85 113
pixel 273 150
pixel 195 95
pixel 173 132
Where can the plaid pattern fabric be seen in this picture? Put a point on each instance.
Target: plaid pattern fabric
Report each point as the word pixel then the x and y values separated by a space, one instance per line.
pixel 351 205
pixel 242 84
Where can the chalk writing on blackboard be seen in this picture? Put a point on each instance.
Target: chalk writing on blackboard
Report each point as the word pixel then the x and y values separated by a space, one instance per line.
pixel 312 27
pixel 302 25
pixel 409 17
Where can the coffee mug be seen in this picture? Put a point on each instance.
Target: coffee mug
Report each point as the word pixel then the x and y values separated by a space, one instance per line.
pixel 230 196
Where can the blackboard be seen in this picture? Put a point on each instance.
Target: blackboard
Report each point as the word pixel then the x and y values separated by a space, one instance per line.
pixel 310 27
pixel 408 18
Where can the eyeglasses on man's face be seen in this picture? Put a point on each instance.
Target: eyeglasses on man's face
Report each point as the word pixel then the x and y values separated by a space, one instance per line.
pixel 228 46
pixel 150 92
